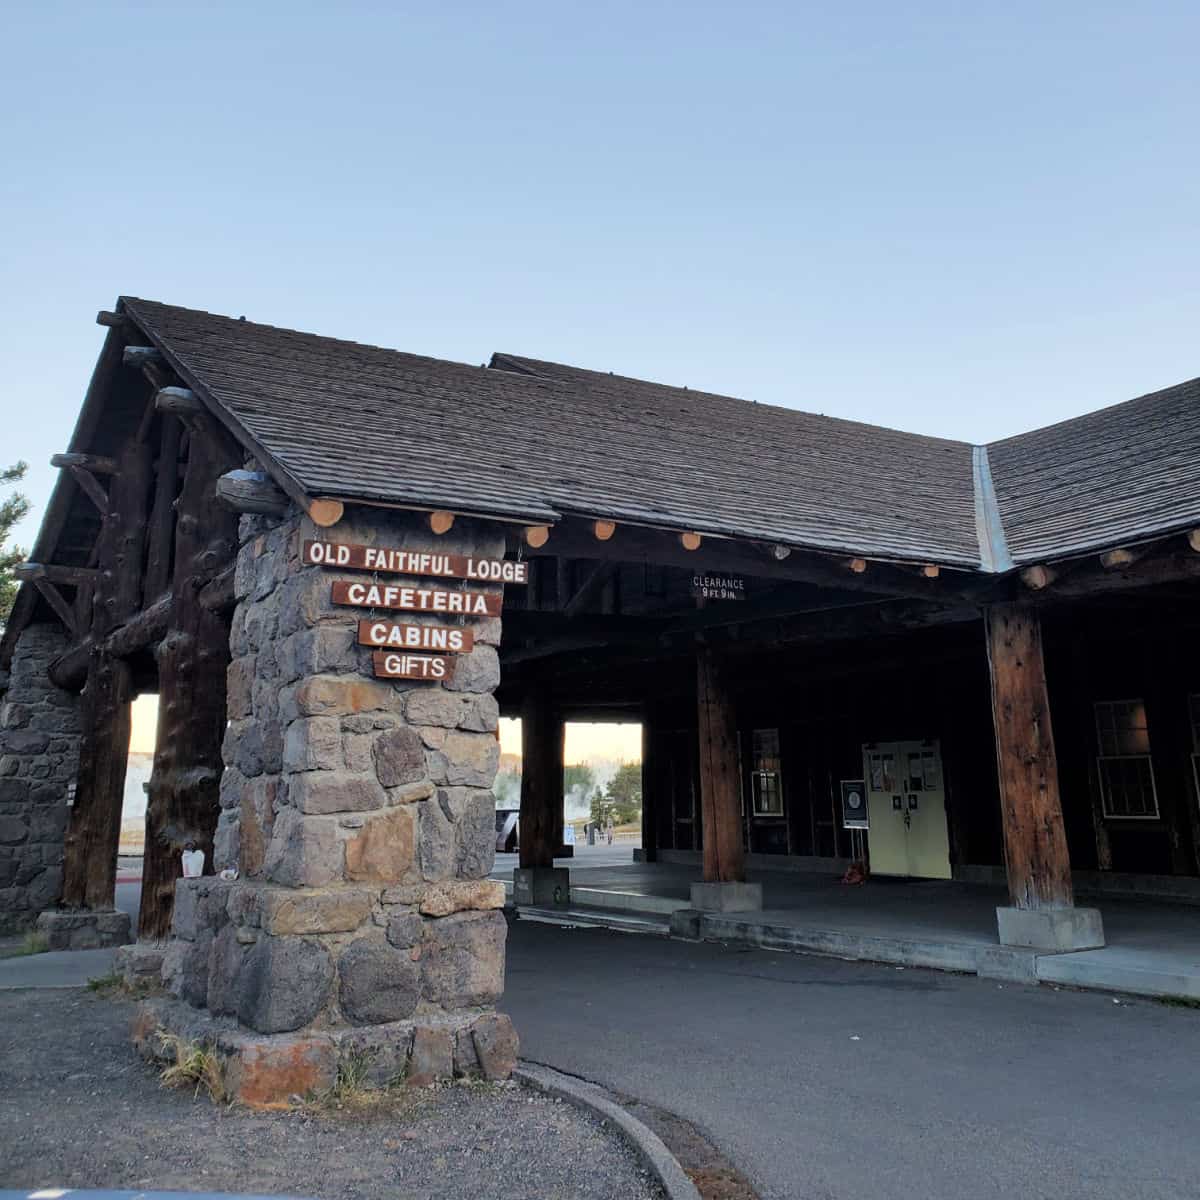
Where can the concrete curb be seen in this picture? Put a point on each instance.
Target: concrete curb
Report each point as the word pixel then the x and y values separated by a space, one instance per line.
pixel 662 1163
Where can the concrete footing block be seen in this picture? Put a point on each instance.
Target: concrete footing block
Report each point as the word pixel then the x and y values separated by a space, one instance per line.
pixel 542 887
pixel 1007 963
pixel 727 897
pixel 1051 930
pixel 685 923
pixel 84 929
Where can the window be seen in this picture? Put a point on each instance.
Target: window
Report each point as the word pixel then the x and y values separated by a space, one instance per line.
pixel 764 774
pixel 1125 768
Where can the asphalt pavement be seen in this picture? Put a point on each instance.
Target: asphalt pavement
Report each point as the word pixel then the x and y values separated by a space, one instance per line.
pixel 824 1078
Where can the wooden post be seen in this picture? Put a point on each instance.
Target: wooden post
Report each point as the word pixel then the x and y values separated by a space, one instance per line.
pixel 541 781
pixel 162 518
pixel 720 807
pixel 1035 843
pixel 182 803
pixel 94 829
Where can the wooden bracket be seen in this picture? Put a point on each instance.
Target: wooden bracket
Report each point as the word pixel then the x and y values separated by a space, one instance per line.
pixel 91 488
pixel 55 573
pixel 182 403
pixel 98 464
pixel 53 597
pixel 591 587
pixel 111 319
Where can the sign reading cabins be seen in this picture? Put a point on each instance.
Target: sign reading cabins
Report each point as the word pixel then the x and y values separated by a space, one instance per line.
pixel 407 651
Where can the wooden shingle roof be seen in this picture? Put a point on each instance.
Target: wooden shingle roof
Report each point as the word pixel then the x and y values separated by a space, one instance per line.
pixel 528 440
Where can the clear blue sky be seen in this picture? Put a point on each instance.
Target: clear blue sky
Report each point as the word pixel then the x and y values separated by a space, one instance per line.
pixel 963 218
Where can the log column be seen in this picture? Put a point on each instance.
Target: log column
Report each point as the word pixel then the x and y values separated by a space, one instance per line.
pixel 538 881
pixel 90 863
pixel 183 802
pixel 1042 914
pixel 724 888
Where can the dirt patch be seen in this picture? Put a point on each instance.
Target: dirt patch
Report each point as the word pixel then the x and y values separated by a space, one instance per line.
pixel 78 1108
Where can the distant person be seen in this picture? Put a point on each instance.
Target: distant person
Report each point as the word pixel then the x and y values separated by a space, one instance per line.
pixel 608 829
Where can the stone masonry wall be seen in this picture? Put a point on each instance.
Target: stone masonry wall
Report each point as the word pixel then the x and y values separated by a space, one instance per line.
pixel 39 758
pixel 360 815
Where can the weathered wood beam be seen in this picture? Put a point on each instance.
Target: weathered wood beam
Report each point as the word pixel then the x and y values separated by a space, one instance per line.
pixel 1112 560
pixel 537 536
pixel 325 511
pixel 162 514
pixel 857 565
pixel 141 631
pixel 140 356
pixel 591 587
pixel 98 464
pixel 440 521
pixel 90 846
pixel 180 402
pixel 1035 842
pixel 1038 577
pixel 53 597
pixel 55 573
pixel 111 320
pixel 90 486
pixel 603 530
pixel 1194 540
pixel 542 731
pixel 720 809
pixel 690 540
pixel 251 492
pixel 217 595
pixel 1086 580
pixel 182 800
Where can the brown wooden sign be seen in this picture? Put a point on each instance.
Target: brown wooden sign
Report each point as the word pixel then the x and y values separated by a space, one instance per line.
pixel 416 599
pixel 719 587
pixel 395 561
pixel 392 664
pixel 443 639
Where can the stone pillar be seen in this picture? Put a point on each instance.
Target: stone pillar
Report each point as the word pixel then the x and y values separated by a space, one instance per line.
pixel 724 888
pixel 39 755
pixel 1042 914
pixel 359 814
pixel 538 881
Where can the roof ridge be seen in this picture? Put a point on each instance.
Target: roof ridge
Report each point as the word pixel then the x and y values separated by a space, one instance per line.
pixel 994 555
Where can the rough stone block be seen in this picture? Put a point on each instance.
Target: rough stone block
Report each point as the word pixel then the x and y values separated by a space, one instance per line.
pixel 496 1045
pixel 476 852
pixel 285 983
pixel 239 681
pixel 399 757
pixel 185 969
pixel 13 830
pixel 462 959
pixel 313 744
pixel 466 1057
pixel 268 1073
pixel 304 851
pixel 226 958
pixel 328 910
pixel 139 963
pixel 442 899
pixel 478 671
pixel 382 851
pixel 335 791
pixel 432 1056
pixel 383 1048
pixel 378 982
pixel 200 904
pixel 465 760
pixel 1055 930
pixel 336 695
pixel 406 793
pixel 67 929
pixel 405 929
pixel 727 897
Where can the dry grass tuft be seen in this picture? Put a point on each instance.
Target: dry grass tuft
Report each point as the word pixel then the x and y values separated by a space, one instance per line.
pixel 194 1065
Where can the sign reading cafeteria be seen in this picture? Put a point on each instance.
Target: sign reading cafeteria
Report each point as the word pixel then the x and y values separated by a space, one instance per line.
pixel 445 639
pixel 414 562
pixel 414 599
pixel 389 665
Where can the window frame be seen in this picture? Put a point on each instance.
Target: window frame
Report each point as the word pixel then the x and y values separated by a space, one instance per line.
pixel 756 773
pixel 1106 806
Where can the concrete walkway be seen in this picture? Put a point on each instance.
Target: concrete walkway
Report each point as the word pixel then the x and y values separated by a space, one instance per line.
pixel 1153 946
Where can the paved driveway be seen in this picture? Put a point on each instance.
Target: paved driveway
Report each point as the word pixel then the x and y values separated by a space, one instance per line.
pixel 822 1078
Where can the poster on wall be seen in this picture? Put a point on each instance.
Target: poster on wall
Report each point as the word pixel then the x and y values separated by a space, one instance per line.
pixel 854 804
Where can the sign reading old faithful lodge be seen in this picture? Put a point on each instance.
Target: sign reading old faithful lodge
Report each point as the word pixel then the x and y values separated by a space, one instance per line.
pixel 398 647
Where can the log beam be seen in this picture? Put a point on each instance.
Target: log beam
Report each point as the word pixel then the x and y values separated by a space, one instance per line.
pixel 1035 842
pixel 90 486
pixel 182 803
pixel 542 732
pixel 53 597
pixel 720 807
pixel 251 492
pixel 55 573
pixel 162 515
pixel 98 464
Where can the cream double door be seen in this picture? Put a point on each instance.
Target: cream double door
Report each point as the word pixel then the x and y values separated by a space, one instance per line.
pixel 906 803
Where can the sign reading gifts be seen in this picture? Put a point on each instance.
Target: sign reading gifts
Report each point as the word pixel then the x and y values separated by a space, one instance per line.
pixel 410 651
